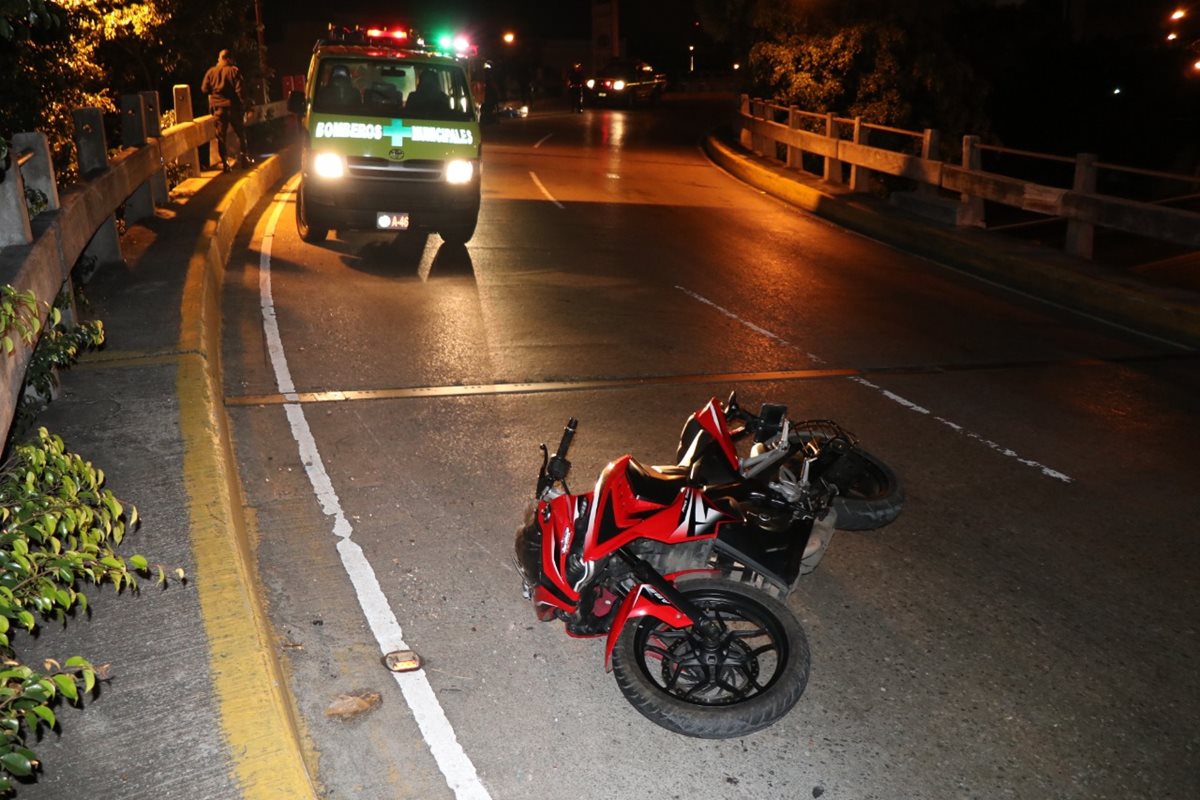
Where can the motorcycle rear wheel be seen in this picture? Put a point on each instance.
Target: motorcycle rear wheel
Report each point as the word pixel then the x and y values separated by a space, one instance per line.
pixel 748 680
pixel 871 495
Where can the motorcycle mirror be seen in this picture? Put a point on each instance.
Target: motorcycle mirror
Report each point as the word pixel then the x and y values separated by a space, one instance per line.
pixel 770 421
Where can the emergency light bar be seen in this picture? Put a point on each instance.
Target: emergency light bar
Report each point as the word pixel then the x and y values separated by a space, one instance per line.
pixel 449 45
pixel 379 33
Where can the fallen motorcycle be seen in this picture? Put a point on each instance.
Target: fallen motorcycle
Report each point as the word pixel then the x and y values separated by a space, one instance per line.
pixel 686 568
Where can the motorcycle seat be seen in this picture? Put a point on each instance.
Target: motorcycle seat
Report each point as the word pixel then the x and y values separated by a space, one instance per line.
pixel 657 484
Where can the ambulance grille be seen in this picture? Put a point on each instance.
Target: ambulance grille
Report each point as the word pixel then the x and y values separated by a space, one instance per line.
pixel 414 170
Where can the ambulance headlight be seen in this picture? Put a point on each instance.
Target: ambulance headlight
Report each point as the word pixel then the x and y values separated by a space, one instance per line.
pixel 329 165
pixel 618 85
pixel 591 83
pixel 459 171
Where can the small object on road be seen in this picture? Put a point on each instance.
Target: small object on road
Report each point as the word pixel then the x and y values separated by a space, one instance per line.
pixel 402 661
pixel 347 706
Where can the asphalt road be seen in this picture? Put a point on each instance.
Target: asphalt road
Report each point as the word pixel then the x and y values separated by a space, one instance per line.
pixel 1028 627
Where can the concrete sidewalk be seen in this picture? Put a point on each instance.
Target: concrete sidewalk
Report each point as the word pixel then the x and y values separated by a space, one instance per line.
pixel 197 706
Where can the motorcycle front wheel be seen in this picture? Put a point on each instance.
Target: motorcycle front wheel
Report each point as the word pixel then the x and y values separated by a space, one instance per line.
pixel 715 687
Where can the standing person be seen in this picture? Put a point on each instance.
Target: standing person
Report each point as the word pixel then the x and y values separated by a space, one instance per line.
pixel 575 85
pixel 223 85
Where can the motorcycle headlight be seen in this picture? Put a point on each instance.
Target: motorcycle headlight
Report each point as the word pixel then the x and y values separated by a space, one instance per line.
pixel 459 171
pixel 591 83
pixel 329 165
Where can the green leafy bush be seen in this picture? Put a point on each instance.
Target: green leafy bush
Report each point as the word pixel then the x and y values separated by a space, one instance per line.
pixel 18 313
pixel 59 527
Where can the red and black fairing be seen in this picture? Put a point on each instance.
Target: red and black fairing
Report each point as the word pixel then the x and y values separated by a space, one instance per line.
pixel 578 554
pixel 638 502
pixel 706 448
pixel 577 535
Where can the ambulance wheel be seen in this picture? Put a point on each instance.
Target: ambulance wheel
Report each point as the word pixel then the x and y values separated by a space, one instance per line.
pixel 459 233
pixel 309 231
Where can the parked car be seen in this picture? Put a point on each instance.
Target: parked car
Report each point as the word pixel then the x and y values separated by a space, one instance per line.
pixel 626 83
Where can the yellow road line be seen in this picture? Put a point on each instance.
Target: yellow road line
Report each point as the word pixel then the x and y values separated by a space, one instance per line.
pixel 257 718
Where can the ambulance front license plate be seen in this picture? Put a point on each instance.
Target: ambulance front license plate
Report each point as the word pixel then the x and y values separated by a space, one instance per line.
pixel 386 221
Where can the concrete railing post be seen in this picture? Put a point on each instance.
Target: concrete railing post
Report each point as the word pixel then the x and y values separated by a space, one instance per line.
pixel 91 150
pixel 744 137
pixel 183 113
pixel 140 204
pixel 795 156
pixel 38 172
pixel 1081 235
pixel 756 111
pixel 858 175
pixel 833 167
pixel 971 208
pixel 153 118
pixel 931 143
pixel 14 213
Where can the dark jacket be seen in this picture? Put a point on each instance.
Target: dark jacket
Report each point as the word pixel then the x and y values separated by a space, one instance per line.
pixel 223 84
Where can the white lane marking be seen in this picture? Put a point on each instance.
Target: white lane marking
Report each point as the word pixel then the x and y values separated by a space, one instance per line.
pixel 538 143
pixel 762 331
pixel 545 191
pixel 895 398
pixel 435 728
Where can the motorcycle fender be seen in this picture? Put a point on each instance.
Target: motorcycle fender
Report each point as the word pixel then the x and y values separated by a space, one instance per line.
pixel 643 601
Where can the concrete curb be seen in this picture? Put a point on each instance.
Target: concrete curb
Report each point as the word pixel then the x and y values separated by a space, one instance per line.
pixel 257 715
pixel 1076 284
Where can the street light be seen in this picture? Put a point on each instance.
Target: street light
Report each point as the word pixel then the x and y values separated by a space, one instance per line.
pixel 509 37
pixel 1184 35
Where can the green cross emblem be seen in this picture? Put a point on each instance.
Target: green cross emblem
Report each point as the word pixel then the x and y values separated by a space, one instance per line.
pixel 398 130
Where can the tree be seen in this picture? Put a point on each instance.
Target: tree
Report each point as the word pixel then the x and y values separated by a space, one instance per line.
pixel 48 66
pixel 56 57
pixel 890 62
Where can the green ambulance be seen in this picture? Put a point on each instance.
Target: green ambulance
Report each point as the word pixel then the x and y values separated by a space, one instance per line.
pixel 390 141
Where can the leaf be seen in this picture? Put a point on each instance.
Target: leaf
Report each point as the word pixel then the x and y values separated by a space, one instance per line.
pixel 17 764
pixel 66 685
pixel 138 562
pixel 46 714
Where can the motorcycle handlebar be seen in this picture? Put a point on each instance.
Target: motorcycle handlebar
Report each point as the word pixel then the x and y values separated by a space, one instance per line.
pixel 568 434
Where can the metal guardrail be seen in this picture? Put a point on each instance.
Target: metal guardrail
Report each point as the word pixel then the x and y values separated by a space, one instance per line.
pixel 957 192
pixel 39 253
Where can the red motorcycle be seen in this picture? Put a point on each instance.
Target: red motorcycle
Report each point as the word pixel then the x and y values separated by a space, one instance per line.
pixel 685 568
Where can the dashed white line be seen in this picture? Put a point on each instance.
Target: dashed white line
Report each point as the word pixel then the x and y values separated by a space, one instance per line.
pixel 435 728
pixel 544 190
pixel 762 331
pixel 539 142
pixel 895 398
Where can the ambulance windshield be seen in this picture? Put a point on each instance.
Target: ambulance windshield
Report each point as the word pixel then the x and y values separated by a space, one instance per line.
pixel 393 88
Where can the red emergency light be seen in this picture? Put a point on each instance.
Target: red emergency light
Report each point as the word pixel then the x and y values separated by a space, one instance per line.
pixel 384 33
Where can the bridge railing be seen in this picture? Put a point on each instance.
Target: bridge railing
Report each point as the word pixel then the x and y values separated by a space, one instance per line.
pixel 40 246
pixel 842 150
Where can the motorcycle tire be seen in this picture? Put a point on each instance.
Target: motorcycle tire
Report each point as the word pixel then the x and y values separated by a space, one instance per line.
pixel 870 498
pixel 751 679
